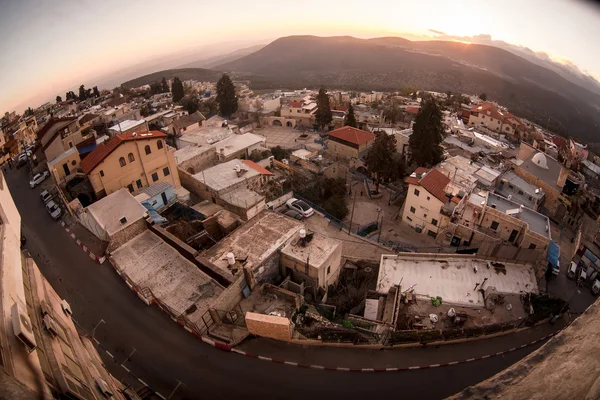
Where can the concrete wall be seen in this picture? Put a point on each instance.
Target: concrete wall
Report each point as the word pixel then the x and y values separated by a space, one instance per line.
pixel 339 150
pixel 55 149
pixel 269 326
pixel 229 298
pixel 507 224
pixel 58 171
pixel 125 235
pixel 427 207
pixel 200 161
pixel 553 195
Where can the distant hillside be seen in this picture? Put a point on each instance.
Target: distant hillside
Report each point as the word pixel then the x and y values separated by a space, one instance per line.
pixel 529 90
pixel 222 58
pixel 199 74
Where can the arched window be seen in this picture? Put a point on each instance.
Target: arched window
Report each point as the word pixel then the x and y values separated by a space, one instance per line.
pixel 159 144
pixel 147 149
pixel 122 161
pixel 131 157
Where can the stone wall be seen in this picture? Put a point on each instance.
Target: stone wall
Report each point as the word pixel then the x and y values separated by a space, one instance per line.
pixel 269 326
pixel 125 235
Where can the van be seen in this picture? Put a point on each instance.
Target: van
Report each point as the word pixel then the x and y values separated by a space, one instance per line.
pixel 572 271
pixel 596 287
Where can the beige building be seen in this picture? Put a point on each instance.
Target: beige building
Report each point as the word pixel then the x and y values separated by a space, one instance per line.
pixel 128 126
pixel 301 111
pixel 348 142
pixel 42 354
pixel 132 161
pixel 59 135
pixel 490 116
pixel 312 258
pixel 65 166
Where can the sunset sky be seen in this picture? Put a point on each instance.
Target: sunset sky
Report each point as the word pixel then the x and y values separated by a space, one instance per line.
pixel 49 46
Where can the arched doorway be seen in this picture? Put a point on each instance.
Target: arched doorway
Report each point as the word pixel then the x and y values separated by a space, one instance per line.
pixel 288 124
pixel 84 199
pixel 277 122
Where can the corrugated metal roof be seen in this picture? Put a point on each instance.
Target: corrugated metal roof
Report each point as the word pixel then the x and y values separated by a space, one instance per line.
pixel 156 189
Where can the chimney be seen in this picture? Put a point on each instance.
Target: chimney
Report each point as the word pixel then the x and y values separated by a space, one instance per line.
pixel 230 259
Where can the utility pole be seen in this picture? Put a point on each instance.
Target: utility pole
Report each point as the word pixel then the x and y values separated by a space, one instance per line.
pixel 380 225
pixel 352 214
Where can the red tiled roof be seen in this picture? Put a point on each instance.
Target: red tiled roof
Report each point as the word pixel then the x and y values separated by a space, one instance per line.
pixel 257 168
pixel 412 110
pixel 414 180
pixel 352 135
pixel 339 108
pixel 456 199
pixel 435 183
pixel 485 107
pixel 51 122
pixel 559 141
pixel 103 150
pixel 296 104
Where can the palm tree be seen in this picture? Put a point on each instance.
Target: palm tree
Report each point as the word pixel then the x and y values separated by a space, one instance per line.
pixel 393 113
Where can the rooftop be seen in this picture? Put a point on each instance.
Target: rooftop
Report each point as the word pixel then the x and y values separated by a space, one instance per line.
pixel 156 188
pixel 224 175
pixel 242 198
pixel 235 143
pixel 537 222
pixel 352 135
pixel 62 156
pixel 188 152
pixel 314 252
pixel 435 183
pixel 257 240
pixel 187 120
pixel 105 148
pixel 547 171
pixel 453 277
pixel 260 169
pixel 529 191
pixel 150 262
pixel 126 125
pixel 109 210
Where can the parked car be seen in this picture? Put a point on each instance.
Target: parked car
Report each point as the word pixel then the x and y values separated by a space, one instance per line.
pixel 45 196
pixel 596 287
pixel 53 209
pixel 38 178
pixel 21 161
pixel 300 206
pixel 293 214
pixel 581 277
pixel 572 271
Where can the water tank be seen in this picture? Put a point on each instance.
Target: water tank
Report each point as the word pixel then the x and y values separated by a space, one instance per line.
pixel 237 168
pixel 302 233
pixel 230 259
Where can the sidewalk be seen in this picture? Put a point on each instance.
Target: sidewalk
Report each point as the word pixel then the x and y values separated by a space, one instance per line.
pixel 402 358
pixel 85 239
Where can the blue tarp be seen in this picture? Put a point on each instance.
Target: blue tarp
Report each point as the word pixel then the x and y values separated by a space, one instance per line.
pixel 87 149
pixel 156 217
pixel 553 254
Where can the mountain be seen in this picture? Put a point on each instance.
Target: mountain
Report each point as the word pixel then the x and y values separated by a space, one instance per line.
pixel 211 62
pixel 390 63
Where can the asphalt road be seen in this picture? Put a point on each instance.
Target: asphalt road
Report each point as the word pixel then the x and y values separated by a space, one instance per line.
pixel 166 354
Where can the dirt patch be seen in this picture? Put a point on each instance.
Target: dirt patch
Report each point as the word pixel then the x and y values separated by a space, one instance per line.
pixel 499 267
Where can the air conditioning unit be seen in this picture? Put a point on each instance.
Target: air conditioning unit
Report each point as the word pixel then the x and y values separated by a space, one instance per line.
pixel 103 387
pixel 22 326
pixel 50 325
pixel 66 307
pixel 45 308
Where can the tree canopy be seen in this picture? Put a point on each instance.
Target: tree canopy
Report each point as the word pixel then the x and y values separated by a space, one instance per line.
pixel 483 96
pixel 96 91
pixel 393 113
pixel 177 89
pixel 226 97
pixel 381 159
pixel 350 118
pixel 190 104
pixel 323 115
pixel 58 99
pixel 70 95
pixel 424 143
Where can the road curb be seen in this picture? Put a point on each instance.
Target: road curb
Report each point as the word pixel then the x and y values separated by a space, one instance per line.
pixel 94 257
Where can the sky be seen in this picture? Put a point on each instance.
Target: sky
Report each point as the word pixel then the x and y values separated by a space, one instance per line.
pixel 50 46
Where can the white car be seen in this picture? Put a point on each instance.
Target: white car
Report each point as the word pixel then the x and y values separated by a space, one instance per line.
pixel 38 178
pixel 53 209
pixel 300 206
pixel 45 196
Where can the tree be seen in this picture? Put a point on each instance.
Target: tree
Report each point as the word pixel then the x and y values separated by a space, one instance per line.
pixel 483 96
pixel 177 90
pixel 208 107
pixel 393 113
pixel 58 99
pixel 381 158
pixel 164 85
pixel 29 111
pixel 350 118
pixel 323 115
pixel 96 92
pixel 145 110
pixel 226 97
pixel 424 143
pixel 190 104
pixel 82 93
pixel 414 95
pixel 280 153
pixel 70 95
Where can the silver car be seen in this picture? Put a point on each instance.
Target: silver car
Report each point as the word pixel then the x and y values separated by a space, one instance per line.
pixel 54 210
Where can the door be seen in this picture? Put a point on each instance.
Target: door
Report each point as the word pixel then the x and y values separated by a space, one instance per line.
pixel 66 168
pixel 164 198
pixel 513 235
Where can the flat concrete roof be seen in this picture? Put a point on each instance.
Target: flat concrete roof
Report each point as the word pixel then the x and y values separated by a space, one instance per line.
pixel 257 239
pixel 191 151
pixel 151 262
pixel 452 276
pixel 224 175
pixel 109 210
pixel 537 222
pixel 243 198
pixel 519 184
pixel 235 143
pixel 127 124
pixel 316 251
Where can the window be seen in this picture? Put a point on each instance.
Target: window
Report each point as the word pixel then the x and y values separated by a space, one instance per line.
pixel 131 157
pixel 417 192
pixel 122 161
pixel 328 270
pixel 101 173
pixel 159 144
pixel 532 246
pixel 494 225
pixel 166 171
pixel 70 145
pixel 520 192
pixel 511 187
pixel 412 210
pixel 428 198
pixel 73 163
pixel 434 221
pixel 147 149
pixel 431 233
pixel 138 183
pixel 154 177
pixel 130 187
pixel 409 218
